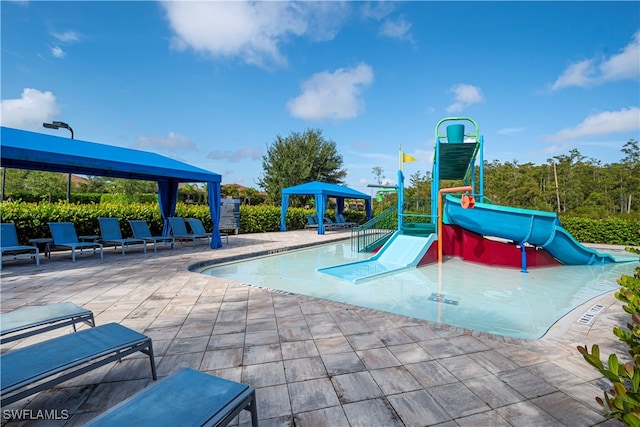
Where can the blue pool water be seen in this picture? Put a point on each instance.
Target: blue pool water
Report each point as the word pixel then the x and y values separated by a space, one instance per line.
pixel 483 298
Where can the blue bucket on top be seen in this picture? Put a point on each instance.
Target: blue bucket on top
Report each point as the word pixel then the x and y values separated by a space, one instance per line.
pixel 455 134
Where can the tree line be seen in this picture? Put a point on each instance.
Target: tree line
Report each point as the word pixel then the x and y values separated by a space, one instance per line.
pixel 568 183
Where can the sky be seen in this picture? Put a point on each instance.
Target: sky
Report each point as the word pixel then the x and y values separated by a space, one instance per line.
pixel 213 84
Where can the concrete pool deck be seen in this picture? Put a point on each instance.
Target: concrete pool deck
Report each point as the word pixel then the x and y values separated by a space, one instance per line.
pixel 313 362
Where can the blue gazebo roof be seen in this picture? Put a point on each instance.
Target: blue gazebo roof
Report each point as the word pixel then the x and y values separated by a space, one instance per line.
pixel 22 149
pixel 331 190
pixel 37 151
pixel 321 191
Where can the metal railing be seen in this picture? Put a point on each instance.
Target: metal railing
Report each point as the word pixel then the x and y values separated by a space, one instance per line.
pixel 375 231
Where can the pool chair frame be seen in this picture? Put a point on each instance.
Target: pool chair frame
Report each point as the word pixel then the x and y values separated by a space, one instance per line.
pixel 141 231
pixel 29 321
pixel 180 233
pixel 185 398
pixel 29 370
pixel 197 229
pixel 311 222
pixel 342 221
pixel 330 225
pixel 11 248
pixel 111 235
pixel 64 235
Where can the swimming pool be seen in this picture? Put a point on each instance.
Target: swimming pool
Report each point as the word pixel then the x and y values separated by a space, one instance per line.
pixel 478 297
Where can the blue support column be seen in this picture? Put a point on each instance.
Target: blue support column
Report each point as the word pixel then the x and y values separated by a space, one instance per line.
pixel 400 200
pixel 523 258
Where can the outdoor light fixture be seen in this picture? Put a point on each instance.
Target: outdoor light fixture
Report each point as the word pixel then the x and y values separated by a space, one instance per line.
pixel 58 125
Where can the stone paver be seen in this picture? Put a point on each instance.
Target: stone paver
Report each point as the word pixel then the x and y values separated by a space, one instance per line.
pixel 313 362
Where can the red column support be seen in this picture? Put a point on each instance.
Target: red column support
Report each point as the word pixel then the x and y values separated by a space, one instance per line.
pixel 440 209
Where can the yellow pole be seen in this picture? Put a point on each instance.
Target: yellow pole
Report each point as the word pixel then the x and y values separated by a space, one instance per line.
pixel 440 208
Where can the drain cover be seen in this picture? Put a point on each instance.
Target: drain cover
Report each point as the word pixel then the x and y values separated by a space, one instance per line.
pixel 590 314
pixel 443 298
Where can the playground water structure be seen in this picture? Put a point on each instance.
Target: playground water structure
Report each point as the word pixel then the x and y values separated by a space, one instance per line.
pixel 456 153
pixel 500 301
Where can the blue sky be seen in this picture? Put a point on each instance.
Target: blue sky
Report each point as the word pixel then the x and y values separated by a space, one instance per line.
pixel 213 83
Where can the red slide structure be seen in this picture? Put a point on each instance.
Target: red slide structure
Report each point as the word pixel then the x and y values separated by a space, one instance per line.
pixel 471 246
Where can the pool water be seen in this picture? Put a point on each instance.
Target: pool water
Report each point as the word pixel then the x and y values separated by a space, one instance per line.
pixel 483 298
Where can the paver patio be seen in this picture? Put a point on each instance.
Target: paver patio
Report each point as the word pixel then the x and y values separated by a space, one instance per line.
pixel 313 362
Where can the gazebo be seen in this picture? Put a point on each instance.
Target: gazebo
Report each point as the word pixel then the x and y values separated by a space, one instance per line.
pixel 321 191
pixel 36 151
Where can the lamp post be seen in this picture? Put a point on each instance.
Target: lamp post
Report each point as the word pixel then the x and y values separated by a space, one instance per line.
pixel 58 125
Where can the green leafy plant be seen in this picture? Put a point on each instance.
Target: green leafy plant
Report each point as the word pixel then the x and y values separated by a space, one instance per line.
pixel 622 401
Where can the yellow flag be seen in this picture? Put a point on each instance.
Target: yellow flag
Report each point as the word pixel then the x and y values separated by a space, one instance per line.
pixel 407 158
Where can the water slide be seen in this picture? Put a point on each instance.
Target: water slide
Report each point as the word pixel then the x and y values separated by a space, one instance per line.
pixel 398 253
pixel 537 228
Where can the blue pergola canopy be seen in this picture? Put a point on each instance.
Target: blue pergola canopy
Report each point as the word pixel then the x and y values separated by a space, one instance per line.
pixel 321 191
pixel 36 151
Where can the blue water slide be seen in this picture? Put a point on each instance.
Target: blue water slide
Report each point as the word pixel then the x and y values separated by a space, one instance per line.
pixel 537 228
pixel 399 253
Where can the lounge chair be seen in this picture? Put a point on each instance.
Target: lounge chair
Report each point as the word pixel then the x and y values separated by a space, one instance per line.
pixel 330 225
pixel 141 231
pixel 179 231
pixel 311 222
pixel 111 235
pixel 29 321
pixel 11 248
pixel 64 235
pixel 186 398
pixel 198 229
pixel 34 368
pixel 340 220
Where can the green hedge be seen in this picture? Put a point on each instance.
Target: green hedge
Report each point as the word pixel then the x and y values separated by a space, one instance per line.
pixel 611 231
pixel 31 219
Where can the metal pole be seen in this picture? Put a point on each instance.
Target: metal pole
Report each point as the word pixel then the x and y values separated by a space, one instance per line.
pixel 4 177
pixel 58 125
pixel 69 174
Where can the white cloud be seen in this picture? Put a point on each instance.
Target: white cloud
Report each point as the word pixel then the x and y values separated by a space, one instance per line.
pixel 588 72
pixel 577 74
pixel 334 95
pixel 172 141
pixel 30 110
pixel 604 123
pixel 377 9
pixel 253 31
pixel 67 36
pixel 57 52
pixel 397 29
pixel 251 153
pixel 465 95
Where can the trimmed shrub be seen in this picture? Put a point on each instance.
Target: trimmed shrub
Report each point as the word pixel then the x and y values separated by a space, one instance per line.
pixel 31 219
pixel 622 401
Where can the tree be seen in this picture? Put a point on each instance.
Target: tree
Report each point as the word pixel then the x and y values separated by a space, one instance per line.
pixel 631 161
pixel 300 158
pixel 95 184
pixel 49 186
pixel 131 187
pixel 378 172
